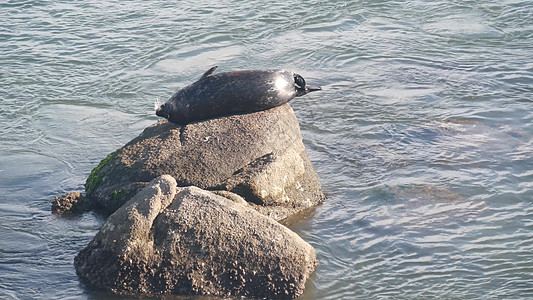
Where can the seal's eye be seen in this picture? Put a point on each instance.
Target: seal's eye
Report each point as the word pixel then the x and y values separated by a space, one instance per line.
pixel 299 82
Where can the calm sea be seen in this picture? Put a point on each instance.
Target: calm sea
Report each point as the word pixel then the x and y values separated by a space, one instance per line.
pixel 422 136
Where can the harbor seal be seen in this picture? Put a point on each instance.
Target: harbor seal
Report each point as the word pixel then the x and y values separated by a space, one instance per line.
pixel 215 95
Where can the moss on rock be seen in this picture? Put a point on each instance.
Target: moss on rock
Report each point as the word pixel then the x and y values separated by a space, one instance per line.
pixel 96 178
pixel 118 196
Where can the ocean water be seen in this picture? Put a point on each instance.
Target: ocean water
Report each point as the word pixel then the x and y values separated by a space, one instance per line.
pixel 422 135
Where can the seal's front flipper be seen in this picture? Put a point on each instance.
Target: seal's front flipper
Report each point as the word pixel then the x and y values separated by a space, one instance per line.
pixel 209 72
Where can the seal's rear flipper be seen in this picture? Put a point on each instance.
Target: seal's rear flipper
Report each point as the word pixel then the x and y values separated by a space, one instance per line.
pixel 209 72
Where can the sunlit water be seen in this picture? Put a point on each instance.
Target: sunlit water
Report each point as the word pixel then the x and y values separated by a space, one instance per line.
pixel 422 136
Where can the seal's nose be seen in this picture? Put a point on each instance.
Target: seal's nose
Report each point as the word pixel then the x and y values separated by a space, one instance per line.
pixel 161 112
pixel 301 86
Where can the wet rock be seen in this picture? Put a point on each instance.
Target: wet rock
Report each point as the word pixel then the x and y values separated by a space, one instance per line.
pixel 73 202
pixel 258 156
pixel 171 240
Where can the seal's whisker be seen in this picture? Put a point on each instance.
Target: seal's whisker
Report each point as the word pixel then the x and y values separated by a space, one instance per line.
pixel 157 103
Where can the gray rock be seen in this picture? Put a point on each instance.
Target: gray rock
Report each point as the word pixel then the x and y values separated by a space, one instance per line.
pixel 259 156
pixel 170 240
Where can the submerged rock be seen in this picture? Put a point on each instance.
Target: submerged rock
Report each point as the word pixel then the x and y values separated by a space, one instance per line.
pixel 171 240
pixel 73 202
pixel 258 156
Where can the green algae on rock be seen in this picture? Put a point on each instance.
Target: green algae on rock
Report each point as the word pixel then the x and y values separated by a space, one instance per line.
pixel 95 179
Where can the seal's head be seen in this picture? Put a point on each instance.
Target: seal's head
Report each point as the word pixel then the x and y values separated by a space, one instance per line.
pixel 301 87
pixel 163 111
pixel 171 113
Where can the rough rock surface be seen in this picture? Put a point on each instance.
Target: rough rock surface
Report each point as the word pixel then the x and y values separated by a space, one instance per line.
pixel 170 240
pixel 259 156
pixel 73 202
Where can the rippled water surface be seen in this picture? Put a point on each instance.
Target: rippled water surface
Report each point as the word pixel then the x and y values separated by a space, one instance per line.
pixel 422 136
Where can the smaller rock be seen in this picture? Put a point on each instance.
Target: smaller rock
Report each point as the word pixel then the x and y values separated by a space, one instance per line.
pixel 73 202
pixel 170 240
